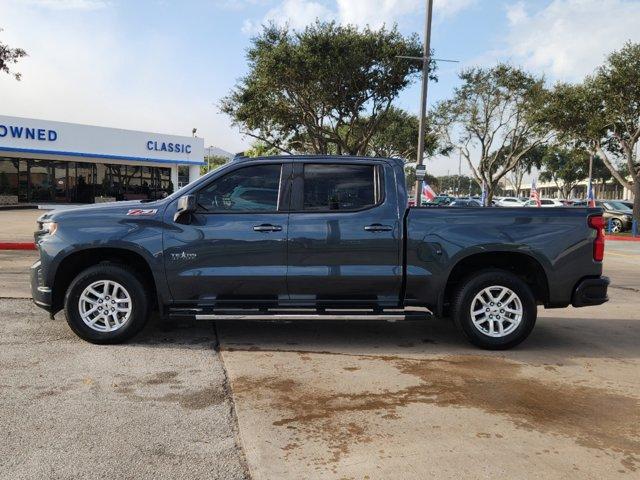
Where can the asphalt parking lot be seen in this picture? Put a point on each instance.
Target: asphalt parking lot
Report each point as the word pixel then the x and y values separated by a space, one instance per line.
pixel 323 399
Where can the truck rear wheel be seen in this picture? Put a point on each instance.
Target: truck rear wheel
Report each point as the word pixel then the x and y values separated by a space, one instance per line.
pixel 106 304
pixel 494 309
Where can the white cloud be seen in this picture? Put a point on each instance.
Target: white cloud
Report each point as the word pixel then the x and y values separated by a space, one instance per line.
pixel 295 13
pixel 375 13
pixel 379 12
pixel 84 69
pixel 516 13
pixel 449 8
pixel 569 38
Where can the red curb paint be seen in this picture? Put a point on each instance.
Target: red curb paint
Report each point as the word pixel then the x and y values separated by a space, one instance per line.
pixel 622 239
pixel 17 246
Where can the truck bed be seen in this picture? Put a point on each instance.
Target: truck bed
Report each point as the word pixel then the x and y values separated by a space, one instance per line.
pixel 437 240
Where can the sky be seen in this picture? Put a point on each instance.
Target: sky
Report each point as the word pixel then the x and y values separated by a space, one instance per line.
pixel 163 65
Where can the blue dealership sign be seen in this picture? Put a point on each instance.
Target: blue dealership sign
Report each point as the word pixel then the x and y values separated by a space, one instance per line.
pixel 168 147
pixel 28 133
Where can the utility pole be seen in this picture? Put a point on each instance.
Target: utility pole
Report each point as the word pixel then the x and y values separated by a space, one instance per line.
pixel 426 57
pixel 426 61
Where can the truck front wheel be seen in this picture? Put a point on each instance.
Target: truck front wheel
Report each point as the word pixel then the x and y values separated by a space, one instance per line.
pixel 494 309
pixel 106 303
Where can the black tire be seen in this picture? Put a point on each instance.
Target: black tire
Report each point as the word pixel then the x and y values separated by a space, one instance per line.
pixel 125 277
pixel 472 286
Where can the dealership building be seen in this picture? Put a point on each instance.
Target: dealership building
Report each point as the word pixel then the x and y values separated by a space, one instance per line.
pixel 43 161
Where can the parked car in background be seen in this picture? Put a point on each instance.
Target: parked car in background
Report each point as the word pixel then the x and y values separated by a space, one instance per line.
pixel 617 215
pixel 441 200
pixel 465 202
pixel 509 202
pixel 627 204
pixel 544 202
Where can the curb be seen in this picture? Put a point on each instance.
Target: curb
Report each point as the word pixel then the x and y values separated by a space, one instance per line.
pixel 621 239
pixel 17 246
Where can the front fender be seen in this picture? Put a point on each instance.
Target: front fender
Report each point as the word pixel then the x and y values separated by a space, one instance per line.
pixel 139 235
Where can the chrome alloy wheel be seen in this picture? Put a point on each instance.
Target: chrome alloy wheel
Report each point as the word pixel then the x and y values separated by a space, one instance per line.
pixel 496 311
pixel 616 225
pixel 105 306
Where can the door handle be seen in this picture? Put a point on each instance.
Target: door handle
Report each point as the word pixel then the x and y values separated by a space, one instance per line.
pixel 378 227
pixel 267 227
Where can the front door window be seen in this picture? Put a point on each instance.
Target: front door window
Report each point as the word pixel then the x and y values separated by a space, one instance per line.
pixel 249 189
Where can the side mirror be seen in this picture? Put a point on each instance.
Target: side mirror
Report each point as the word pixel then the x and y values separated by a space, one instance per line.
pixel 186 206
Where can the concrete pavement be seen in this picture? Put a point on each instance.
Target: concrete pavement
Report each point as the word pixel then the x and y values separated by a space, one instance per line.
pixel 155 408
pixel 323 399
pixel 413 400
pixel 18 225
pixel 14 273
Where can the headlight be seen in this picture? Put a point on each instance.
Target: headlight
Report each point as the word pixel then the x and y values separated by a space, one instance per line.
pixel 49 227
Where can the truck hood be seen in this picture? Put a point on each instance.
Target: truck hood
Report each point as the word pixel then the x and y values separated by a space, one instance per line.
pixel 101 208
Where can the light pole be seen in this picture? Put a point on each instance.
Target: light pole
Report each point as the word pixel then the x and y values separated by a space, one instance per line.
pixel 426 61
pixel 426 56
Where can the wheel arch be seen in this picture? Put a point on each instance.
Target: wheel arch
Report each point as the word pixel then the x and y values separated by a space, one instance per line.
pixel 77 261
pixel 524 265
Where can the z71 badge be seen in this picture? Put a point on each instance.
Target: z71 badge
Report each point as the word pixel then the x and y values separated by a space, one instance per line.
pixel 137 212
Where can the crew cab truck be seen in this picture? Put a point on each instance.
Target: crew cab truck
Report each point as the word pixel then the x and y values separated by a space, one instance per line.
pixel 299 237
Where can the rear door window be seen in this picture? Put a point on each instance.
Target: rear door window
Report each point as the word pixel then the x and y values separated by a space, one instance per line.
pixel 338 187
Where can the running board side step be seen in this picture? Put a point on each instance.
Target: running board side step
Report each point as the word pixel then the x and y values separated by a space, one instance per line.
pixel 396 316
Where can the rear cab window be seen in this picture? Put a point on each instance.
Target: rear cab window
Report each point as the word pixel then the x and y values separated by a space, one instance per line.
pixel 329 187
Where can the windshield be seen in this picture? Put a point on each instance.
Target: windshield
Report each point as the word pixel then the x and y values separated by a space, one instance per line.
pixel 616 206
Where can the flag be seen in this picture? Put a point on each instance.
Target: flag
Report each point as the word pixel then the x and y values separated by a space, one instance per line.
pixel 590 196
pixel 483 200
pixel 534 193
pixel 427 192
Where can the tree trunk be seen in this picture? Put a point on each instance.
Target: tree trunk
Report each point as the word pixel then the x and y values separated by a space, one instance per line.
pixel 490 193
pixel 618 176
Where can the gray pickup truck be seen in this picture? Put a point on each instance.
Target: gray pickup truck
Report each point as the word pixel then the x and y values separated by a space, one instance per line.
pixel 309 237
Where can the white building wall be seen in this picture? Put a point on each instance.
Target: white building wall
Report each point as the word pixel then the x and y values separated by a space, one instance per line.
pixel 194 172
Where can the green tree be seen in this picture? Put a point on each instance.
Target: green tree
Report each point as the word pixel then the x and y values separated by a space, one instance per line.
pixel 10 56
pixel 326 89
pixel 459 185
pixel 601 175
pixel 261 149
pixel 492 121
pixel 397 135
pixel 212 162
pixel 532 159
pixel 617 85
pixel 602 114
pixel 410 179
pixel 565 167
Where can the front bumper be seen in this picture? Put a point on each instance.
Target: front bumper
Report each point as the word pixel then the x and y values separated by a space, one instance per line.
pixel 40 293
pixel 590 291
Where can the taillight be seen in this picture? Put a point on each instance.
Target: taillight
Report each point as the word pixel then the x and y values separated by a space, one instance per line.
pixel 597 222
